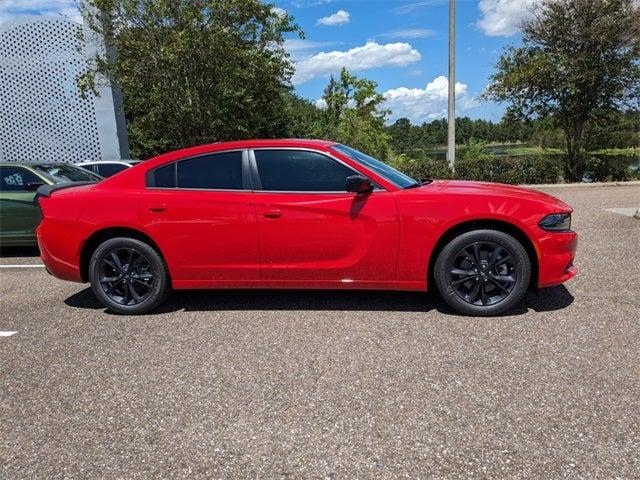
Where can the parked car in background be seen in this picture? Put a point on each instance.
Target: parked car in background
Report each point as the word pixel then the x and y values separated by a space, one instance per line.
pixel 108 168
pixel 19 214
pixel 301 214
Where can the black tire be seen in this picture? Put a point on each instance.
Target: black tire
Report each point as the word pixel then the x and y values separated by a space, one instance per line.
pixel 467 281
pixel 112 278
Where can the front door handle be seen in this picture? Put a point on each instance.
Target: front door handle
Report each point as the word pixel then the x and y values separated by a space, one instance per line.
pixel 158 208
pixel 273 214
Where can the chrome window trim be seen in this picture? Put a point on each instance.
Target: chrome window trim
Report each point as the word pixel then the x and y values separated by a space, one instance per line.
pixel 252 159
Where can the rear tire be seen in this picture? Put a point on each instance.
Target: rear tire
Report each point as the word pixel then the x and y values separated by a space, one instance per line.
pixel 483 273
pixel 128 276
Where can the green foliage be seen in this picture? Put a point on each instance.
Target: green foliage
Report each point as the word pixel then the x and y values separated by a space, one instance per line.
pixel 193 71
pixel 579 59
pixel 352 115
pixel 512 170
pixel 474 150
pixel 305 120
pixel 415 140
pixel 421 169
pixel 603 168
pixel 618 129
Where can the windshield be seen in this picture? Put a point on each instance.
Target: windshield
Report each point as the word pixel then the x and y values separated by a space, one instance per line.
pixel 63 173
pixel 382 169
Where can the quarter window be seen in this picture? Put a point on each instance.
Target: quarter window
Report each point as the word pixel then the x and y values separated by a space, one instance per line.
pixel 15 179
pixel 300 171
pixel 163 177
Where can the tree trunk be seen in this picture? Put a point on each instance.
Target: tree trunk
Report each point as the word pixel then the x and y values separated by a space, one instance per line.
pixel 574 134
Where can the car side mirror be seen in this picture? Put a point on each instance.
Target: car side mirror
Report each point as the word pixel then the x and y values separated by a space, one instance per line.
pixel 33 186
pixel 358 184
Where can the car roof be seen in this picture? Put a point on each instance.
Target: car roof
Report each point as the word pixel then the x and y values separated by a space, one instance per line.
pixel 239 144
pixel 32 164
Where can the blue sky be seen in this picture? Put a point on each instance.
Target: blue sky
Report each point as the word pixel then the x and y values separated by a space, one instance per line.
pixel 402 45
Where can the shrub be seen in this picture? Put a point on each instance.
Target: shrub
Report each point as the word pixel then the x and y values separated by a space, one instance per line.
pixel 512 170
pixel 422 168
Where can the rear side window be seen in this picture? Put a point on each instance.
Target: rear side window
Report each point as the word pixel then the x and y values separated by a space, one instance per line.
pixel 109 169
pixel 16 179
pixel 300 171
pixel 220 171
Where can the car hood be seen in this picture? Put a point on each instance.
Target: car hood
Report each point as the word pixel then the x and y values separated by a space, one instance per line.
pixel 497 189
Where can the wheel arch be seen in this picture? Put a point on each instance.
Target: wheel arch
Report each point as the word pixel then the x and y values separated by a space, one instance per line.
pixel 90 244
pixel 486 224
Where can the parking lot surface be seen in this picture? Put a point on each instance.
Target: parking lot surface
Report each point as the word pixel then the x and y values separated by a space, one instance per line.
pixel 330 384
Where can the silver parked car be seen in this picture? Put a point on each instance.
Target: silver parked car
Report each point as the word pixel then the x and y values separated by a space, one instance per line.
pixel 108 168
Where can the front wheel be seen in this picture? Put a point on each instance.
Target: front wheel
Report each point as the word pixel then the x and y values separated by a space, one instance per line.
pixel 128 276
pixel 483 272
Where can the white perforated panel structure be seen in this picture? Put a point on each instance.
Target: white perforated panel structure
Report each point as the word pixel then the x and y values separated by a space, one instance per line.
pixel 43 117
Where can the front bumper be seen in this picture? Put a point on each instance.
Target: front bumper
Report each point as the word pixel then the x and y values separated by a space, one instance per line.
pixel 556 255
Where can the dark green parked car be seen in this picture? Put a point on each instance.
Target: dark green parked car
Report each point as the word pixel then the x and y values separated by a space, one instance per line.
pixel 19 215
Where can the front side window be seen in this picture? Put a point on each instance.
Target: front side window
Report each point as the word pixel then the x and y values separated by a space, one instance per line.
pixel 300 171
pixel 16 179
pixel 385 171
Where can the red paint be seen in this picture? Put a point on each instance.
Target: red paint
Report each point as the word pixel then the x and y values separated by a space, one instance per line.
pixel 245 239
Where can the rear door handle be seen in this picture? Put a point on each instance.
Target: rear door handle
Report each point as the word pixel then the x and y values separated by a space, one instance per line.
pixel 158 208
pixel 273 214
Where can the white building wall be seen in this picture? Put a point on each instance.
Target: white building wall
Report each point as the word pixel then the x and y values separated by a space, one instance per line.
pixel 42 114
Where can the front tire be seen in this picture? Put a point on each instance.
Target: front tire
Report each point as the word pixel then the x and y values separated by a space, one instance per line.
pixel 128 276
pixel 483 273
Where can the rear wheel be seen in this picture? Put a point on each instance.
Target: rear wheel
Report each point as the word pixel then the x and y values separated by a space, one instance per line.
pixel 483 272
pixel 128 276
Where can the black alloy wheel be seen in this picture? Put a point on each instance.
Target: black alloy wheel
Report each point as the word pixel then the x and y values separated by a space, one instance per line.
pixel 483 272
pixel 128 276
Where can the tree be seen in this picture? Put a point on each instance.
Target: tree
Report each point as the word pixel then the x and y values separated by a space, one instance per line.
pixel 193 71
pixel 353 114
pixel 579 60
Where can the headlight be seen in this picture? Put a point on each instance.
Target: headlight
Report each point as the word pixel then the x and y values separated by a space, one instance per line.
pixel 557 222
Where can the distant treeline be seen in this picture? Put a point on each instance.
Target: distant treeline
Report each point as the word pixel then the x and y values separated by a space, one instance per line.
pixel 618 130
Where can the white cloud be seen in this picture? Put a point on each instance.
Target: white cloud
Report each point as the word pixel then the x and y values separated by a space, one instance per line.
pixel 320 103
pixel 310 3
pixel 371 55
pixel 426 104
pixel 339 18
pixel 501 18
pixel 281 12
pixel 410 7
pixel 300 49
pixel 16 9
pixel 409 33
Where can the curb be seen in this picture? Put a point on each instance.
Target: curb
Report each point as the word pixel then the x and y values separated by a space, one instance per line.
pixel 637 215
pixel 633 183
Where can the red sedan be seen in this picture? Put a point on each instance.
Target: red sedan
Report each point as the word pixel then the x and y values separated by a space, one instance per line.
pixel 301 214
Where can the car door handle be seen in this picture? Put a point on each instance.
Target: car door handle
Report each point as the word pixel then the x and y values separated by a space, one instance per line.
pixel 273 214
pixel 158 208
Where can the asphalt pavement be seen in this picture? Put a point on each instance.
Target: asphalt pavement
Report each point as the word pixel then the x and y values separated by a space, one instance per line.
pixel 291 384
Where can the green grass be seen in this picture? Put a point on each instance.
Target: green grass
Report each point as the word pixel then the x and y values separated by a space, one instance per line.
pixel 627 152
